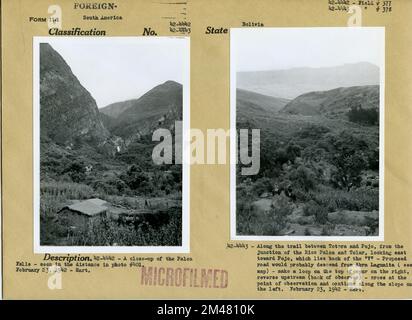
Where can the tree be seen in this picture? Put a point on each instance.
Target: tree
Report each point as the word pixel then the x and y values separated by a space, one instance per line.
pixel 135 178
pixel 303 178
pixel 368 116
pixel 263 185
pixel 293 150
pixel 348 170
pixel 76 171
pixel 349 159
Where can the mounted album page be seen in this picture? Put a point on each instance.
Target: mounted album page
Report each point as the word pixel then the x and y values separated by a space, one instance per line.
pixel 206 150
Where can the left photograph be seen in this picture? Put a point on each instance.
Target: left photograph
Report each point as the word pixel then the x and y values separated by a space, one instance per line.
pixel 110 120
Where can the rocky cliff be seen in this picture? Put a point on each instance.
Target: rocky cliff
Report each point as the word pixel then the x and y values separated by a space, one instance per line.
pixel 68 112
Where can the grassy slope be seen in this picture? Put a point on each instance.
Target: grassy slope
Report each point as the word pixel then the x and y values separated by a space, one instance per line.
pixel 334 102
pixel 140 115
pixel 278 129
pixel 250 101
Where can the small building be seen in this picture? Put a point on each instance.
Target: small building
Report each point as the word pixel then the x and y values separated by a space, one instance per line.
pixel 82 215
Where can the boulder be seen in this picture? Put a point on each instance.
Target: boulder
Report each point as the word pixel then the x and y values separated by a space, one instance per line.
pixel 356 218
pixel 262 206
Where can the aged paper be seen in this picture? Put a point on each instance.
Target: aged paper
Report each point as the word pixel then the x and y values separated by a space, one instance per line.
pixel 206 149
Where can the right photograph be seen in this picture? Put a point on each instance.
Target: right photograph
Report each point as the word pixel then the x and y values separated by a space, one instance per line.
pixel 310 102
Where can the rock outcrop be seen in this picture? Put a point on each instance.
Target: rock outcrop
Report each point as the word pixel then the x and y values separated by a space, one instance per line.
pixel 68 113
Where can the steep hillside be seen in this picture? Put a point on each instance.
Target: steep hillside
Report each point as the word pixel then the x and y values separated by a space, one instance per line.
pixel 335 103
pixel 115 109
pixel 316 167
pixel 68 112
pixel 290 83
pixel 160 106
pixel 108 121
pixel 248 101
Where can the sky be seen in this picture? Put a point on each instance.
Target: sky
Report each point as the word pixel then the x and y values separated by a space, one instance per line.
pixel 122 68
pixel 284 48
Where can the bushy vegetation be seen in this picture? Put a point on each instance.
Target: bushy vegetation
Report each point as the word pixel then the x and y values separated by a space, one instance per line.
pixel 268 223
pixel 319 165
pixel 53 231
pixel 364 116
pixel 131 172
pixel 360 199
pixel 52 196
pixel 82 172
pixel 111 233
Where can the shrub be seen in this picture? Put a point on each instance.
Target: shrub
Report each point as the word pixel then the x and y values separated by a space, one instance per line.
pixel 357 199
pixel 245 218
pixel 363 116
pixel 271 226
pixel 348 170
pixel 293 150
pixel 110 233
pixel 76 171
pixel 270 223
pixel 326 230
pixel 263 185
pixel 314 209
pixel 372 224
pixel 276 218
pixel 301 195
pixel 282 156
pixel 303 178
pixel 310 208
pixel 112 186
pixel 348 155
pixel 313 132
pixel 281 206
pixel 321 216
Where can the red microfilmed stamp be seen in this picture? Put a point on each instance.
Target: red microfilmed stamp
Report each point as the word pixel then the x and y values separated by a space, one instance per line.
pixel 184 277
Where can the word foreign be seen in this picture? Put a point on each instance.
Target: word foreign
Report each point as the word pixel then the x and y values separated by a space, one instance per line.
pixel 95 5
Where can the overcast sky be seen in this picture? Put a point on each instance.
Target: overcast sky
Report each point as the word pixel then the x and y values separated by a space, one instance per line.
pixel 117 69
pixel 284 48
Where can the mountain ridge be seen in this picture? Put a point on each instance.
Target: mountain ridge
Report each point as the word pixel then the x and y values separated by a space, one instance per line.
pixel 161 105
pixel 248 101
pixel 116 108
pixel 290 83
pixel 335 102
pixel 69 115
pixel 67 110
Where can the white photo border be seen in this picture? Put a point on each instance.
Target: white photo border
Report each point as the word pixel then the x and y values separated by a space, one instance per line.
pixel 234 34
pixel 185 247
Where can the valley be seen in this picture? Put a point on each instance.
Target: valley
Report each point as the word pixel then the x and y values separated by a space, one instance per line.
pixel 319 170
pixel 101 160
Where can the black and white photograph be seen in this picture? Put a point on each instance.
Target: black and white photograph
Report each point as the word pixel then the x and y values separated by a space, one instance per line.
pixel 108 120
pixel 316 96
